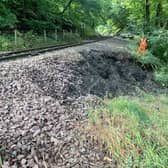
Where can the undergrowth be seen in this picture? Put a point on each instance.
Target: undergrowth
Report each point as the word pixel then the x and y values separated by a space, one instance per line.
pixel 156 54
pixel 161 75
pixel 133 129
pixel 32 40
pixel 146 60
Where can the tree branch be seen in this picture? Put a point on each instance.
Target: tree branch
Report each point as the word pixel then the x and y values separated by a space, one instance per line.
pixel 67 6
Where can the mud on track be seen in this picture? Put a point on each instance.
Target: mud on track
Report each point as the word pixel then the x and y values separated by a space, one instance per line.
pixel 44 99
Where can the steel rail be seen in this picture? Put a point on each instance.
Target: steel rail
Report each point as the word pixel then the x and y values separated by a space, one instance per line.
pixel 37 51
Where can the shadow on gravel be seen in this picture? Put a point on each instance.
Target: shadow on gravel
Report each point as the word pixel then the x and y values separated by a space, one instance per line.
pixel 101 73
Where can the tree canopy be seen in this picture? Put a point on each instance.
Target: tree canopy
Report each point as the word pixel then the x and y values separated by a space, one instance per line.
pixel 104 15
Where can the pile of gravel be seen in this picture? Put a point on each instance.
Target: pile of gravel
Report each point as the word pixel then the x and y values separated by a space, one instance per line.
pixel 44 99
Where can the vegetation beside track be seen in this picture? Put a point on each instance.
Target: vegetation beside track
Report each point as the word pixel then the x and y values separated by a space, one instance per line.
pixel 33 40
pixel 133 129
pixel 156 55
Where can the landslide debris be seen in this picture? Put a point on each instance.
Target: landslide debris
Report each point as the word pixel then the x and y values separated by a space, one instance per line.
pixel 44 100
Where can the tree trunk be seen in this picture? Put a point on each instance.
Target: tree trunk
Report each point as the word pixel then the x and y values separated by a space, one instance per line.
pixel 158 21
pixel 24 9
pixel 147 15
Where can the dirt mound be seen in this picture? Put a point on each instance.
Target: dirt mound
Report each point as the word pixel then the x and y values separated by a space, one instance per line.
pixel 39 131
pixel 98 73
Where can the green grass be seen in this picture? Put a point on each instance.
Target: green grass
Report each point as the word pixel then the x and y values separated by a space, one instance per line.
pixel 134 130
pixel 161 75
pixel 160 67
pixel 148 59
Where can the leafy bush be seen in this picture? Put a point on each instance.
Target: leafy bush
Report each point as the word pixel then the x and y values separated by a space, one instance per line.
pixel 158 44
pixel 161 75
pixel 71 37
pixel 5 43
pixel 120 16
pixel 7 18
pixel 31 40
pixel 156 54
pixel 148 59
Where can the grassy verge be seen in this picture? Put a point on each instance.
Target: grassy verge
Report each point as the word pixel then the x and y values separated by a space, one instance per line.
pixel 133 129
pixel 159 65
pixel 161 75
pixel 148 59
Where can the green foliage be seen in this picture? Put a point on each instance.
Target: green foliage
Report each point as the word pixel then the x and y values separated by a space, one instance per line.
pixel 72 37
pixel 156 55
pixel 90 5
pixel 159 66
pixel 7 18
pixel 161 75
pixel 133 129
pixel 32 39
pixel 48 14
pixel 111 15
pixel 89 32
pixel 148 60
pixel 158 44
pixel 120 16
pixel 5 43
pixel 40 25
pixel 130 108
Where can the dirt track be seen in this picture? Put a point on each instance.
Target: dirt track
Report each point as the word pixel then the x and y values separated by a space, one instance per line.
pixel 43 100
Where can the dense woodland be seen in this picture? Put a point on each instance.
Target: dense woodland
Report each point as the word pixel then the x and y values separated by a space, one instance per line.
pixel 107 15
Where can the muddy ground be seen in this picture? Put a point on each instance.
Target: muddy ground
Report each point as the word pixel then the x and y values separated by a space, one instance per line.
pixel 44 99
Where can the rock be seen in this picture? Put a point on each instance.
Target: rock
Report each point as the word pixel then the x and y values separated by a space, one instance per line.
pixel 36 133
pixel 23 161
pixel 35 166
pixel 127 35
pixel 107 159
pixel 5 165
pixel 19 157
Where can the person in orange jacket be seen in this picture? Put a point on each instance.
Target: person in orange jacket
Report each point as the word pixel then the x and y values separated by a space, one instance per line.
pixel 142 46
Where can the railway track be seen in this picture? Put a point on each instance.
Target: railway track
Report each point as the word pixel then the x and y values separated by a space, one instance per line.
pixel 37 51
